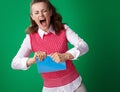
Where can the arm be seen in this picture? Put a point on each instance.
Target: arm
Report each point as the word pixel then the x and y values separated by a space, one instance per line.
pixel 80 46
pixel 20 61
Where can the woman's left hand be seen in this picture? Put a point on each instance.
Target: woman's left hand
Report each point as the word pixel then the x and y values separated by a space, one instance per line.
pixel 61 57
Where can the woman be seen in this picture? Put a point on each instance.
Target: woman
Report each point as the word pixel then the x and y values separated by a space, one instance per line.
pixel 47 35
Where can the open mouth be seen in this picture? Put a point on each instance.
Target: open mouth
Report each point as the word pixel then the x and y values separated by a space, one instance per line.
pixel 43 22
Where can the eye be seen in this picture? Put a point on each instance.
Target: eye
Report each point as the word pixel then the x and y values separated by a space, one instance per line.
pixel 35 12
pixel 44 11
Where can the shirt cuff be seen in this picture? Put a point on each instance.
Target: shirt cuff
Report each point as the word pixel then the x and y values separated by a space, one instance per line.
pixel 23 64
pixel 75 52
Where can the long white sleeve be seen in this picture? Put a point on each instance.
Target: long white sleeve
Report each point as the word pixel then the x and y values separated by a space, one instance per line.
pixel 19 61
pixel 80 46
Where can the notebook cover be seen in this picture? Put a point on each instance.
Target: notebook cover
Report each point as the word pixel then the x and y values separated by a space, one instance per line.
pixel 49 65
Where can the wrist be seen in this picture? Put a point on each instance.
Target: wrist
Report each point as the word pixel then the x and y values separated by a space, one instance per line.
pixel 68 56
pixel 29 62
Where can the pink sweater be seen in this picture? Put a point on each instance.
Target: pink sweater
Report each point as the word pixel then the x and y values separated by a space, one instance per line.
pixel 54 43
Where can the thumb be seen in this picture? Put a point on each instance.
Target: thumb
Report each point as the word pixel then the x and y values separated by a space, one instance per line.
pixel 35 55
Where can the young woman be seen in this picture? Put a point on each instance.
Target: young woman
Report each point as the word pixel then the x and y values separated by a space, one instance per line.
pixel 47 35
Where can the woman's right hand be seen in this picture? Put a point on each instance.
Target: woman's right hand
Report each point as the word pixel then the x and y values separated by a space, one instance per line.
pixel 40 55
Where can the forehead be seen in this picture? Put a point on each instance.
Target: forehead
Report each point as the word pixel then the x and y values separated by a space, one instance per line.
pixel 39 6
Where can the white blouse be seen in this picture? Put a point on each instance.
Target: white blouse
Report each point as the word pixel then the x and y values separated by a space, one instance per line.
pixel 80 48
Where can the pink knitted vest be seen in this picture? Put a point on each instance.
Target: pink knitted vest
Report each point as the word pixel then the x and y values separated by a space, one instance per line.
pixel 54 43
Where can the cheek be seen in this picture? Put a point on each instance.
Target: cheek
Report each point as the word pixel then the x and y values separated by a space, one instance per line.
pixel 35 19
pixel 32 17
pixel 48 17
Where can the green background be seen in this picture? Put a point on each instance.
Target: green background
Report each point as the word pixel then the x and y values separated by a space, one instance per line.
pixel 96 21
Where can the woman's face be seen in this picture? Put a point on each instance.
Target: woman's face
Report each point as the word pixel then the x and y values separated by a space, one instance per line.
pixel 41 15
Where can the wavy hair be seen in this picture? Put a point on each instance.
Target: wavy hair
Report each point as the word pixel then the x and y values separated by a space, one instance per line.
pixel 56 19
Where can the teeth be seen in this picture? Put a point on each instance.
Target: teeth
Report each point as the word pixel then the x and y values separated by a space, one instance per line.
pixel 42 21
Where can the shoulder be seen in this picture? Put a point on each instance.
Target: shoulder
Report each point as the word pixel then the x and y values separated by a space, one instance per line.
pixel 65 26
pixel 68 29
pixel 27 37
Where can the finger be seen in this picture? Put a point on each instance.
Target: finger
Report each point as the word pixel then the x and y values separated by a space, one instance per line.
pixel 39 55
pixel 35 54
pixel 44 55
pixel 56 58
pixel 53 54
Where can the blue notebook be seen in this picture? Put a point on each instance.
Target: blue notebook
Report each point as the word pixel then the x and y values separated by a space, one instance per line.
pixel 48 65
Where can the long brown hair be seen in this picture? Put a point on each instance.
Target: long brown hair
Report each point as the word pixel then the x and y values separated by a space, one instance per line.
pixel 56 19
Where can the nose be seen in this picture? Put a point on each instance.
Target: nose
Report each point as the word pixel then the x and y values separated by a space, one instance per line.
pixel 41 14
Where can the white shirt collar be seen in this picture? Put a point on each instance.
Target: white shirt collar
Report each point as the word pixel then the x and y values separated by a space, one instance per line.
pixel 42 32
